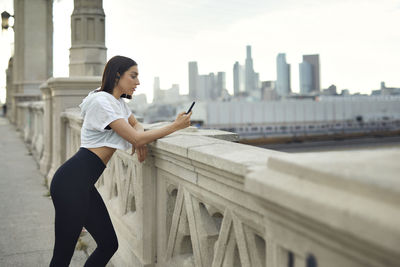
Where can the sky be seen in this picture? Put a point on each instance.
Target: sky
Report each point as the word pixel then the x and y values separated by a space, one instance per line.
pixel 358 40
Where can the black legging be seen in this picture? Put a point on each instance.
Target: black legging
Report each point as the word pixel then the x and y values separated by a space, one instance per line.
pixel 78 204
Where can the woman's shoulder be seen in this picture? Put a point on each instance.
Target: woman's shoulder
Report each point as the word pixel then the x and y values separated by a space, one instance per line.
pixel 105 99
pixel 102 96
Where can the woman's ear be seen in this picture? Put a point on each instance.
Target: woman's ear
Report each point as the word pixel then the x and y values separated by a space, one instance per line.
pixel 118 76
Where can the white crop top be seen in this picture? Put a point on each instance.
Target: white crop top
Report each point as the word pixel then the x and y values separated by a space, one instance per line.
pixel 98 110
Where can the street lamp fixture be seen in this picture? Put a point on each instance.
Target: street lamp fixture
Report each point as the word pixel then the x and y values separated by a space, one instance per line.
pixel 4 20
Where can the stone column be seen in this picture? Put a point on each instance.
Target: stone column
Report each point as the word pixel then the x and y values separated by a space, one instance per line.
pixel 45 161
pixel 65 93
pixel 33 50
pixel 33 45
pixel 88 52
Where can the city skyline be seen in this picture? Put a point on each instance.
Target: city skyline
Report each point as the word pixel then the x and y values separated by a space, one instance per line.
pixel 356 51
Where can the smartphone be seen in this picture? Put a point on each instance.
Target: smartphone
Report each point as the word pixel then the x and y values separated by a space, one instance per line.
pixel 190 109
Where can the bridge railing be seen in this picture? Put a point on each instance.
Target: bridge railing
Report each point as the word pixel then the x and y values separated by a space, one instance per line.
pixel 30 124
pixel 200 199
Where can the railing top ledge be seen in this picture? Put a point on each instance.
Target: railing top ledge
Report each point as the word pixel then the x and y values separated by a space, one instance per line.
pixel 24 104
pixel 373 169
pixel 37 104
pixel 23 95
pixel 218 134
pixel 357 193
pixel 207 148
pixel 77 79
pixel 210 147
pixel 72 114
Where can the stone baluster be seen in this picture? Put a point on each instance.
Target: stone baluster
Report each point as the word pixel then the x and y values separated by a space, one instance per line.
pixel 45 161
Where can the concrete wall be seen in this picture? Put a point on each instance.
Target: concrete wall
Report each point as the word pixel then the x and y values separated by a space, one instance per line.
pixel 300 111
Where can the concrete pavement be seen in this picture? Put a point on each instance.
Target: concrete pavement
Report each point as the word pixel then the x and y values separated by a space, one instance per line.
pixel 26 212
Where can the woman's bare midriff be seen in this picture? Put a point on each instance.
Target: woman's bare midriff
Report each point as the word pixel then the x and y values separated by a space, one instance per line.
pixel 104 153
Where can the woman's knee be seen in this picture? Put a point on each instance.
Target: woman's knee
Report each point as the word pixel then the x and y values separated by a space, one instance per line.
pixel 110 246
pixel 113 246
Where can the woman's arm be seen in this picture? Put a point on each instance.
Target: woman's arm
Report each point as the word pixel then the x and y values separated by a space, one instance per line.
pixel 139 127
pixel 138 138
pixel 134 123
pixel 141 151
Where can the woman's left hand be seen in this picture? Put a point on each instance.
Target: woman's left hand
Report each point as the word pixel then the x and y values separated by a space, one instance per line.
pixel 141 153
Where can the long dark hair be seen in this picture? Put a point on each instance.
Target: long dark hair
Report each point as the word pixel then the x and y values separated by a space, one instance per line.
pixel 113 71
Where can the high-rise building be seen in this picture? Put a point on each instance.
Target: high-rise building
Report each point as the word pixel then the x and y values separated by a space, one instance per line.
pixel 268 91
pixel 249 78
pixel 205 86
pixel 282 75
pixel 242 78
pixel 156 89
pixel 172 95
pixel 210 87
pixel 221 84
pixel 257 83
pixel 193 80
pixel 306 77
pixel 314 61
pixel 236 78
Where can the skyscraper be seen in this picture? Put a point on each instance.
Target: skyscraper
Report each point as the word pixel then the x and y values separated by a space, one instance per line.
pixel 249 78
pixel 257 82
pixel 193 80
pixel 221 84
pixel 156 89
pixel 306 77
pixel 282 75
pixel 236 78
pixel 206 87
pixel 314 61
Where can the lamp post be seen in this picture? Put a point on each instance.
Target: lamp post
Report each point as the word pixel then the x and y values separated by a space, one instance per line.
pixel 5 16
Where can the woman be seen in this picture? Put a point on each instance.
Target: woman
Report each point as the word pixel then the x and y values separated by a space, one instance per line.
pixel 108 124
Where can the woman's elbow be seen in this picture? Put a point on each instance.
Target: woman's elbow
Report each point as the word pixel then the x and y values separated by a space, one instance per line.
pixel 139 140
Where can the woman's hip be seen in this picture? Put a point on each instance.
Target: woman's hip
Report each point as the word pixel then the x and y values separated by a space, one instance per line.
pixel 82 170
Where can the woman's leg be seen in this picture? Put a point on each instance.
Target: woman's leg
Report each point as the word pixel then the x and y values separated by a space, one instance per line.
pixel 70 214
pixel 99 225
pixel 67 231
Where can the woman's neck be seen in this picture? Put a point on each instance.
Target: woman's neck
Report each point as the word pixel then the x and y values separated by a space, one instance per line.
pixel 117 92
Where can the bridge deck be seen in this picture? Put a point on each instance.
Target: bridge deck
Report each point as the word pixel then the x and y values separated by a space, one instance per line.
pixel 27 214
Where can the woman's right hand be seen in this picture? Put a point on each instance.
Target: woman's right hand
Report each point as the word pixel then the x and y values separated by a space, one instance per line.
pixel 182 120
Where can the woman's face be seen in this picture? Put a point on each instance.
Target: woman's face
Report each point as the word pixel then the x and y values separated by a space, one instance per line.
pixel 129 80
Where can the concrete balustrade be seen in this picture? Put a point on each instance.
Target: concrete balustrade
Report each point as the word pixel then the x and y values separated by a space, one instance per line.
pixel 30 125
pixel 343 208
pixel 200 199
pixel 16 116
pixel 72 124
pixel 23 122
pixel 37 130
pixel 45 160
